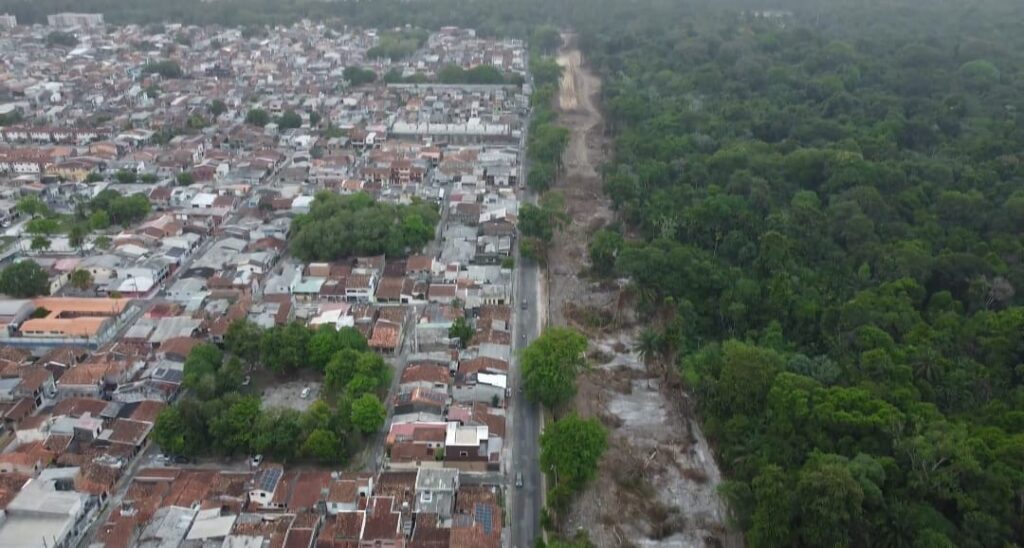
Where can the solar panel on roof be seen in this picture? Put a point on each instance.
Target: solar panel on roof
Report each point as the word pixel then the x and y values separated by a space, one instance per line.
pixel 485 517
pixel 269 479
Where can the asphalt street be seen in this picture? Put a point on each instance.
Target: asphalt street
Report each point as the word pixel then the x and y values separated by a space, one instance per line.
pixel 524 502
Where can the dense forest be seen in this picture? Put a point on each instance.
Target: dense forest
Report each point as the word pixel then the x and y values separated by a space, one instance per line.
pixel 822 214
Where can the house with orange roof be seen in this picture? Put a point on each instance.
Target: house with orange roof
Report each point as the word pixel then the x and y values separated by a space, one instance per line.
pixel 27 459
pixel 386 336
pixel 89 321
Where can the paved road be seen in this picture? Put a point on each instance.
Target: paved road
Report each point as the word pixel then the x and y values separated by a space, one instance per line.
pixel 525 502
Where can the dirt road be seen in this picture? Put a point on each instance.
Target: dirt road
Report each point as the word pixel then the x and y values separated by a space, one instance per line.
pixel 658 479
pixel 586 205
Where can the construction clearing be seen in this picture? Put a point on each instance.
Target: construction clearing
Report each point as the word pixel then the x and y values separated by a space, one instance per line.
pixel 657 485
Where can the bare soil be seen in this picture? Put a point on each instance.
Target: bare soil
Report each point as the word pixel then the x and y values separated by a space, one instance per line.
pixel 657 481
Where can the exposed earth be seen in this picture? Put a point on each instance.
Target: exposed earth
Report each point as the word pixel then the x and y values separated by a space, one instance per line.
pixel 657 481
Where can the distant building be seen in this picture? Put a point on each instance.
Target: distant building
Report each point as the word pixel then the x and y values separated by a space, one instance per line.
pixel 8 21
pixel 75 19
pixel 48 512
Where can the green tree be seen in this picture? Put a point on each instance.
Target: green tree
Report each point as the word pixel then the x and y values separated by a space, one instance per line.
pixel 165 68
pixel 169 431
pixel 368 414
pixel 257 117
pixel 604 249
pixel 357 76
pixel 289 120
pixel 550 364
pixel 126 177
pixel 546 38
pixel 233 428
pixel 32 206
pixel 829 501
pixel 77 234
pixel 278 434
pixel 461 330
pixel 217 107
pixel 99 220
pixel 24 279
pixel 62 39
pixel 571 448
pixel 185 178
pixel 81 279
pixel 200 372
pixel 285 348
pixel 322 445
pixel 242 339
pixel 40 243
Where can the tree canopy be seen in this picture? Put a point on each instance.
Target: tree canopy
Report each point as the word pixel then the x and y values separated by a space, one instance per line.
pixel 24 279
pixel 344 226
pixel 550 364
pixel 824 227
pixel 218 417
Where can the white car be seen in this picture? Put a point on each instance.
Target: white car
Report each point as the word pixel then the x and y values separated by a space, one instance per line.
pixel 256 460
pixel 305 393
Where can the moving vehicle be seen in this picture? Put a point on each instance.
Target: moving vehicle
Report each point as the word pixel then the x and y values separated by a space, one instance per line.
pixel 519 479
pixel 524 305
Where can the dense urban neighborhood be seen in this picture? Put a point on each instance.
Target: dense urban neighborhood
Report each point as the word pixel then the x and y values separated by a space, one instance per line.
pixel 261 288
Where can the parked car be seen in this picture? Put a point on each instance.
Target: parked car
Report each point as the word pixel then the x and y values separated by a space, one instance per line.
pixel 305 393
pixel 524 306
pixel 256 460
pixel 519 479
pixel 246 380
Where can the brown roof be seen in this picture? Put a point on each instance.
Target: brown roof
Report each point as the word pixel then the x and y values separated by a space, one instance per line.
pixel 382 523
pixel 298 538
pixel 308 489
pixel 408 451
pixel 64 355
pixel 481 363
pixel 76 407
pixel 343 490
pixel 477 518
pixel 341 530
pixel 493 312
pixel 179 346
pixel 92 373
pixel 32 378
pixel 441 291
pixel 361 281
pixel 14 354
pixel 10 486
pixel 17 410
pixel 436 374
pixel 390 288
pixel 96 479
pixel 472 535
pixel 400 485
pixel 419 263
pixel 491 336
pixel 394 314
pixel 147 411
pixel 428 534
pixel 385 335
pixel 129 432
